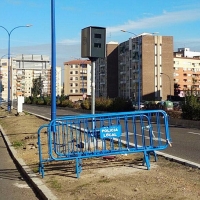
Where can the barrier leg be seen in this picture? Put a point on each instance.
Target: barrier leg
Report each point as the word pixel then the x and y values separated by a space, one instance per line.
pixel 146 159
pixel 155 156
pixel 41 169
pixel 78 166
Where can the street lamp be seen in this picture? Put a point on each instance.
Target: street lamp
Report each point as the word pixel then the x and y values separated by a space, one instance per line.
pixel 9 34
pixel 169 82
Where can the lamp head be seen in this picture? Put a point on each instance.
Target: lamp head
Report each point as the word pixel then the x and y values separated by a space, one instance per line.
pixel 29 25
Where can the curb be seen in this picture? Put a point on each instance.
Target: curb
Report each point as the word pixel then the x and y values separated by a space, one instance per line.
pixel 41 190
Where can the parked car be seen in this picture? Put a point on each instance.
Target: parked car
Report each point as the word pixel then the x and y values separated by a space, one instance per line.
pixel 135 105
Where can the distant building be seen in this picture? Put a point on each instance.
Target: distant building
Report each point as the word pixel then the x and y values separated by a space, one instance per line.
pixel 185 52
pixel 187 71
pixel 144 70
pixel 106 73
pixel 25 68
pixel 77 79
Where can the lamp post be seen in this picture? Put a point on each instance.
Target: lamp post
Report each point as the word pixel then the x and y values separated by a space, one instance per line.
pixel 169 82
pixel 9 34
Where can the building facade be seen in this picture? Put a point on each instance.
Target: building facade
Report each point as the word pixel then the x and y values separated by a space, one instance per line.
pixel 187 71
pixel 23 69
pixel 106 73
pixel 143 63
pixel 77 79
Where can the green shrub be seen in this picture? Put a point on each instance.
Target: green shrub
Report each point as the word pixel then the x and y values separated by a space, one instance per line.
pixel 191 108
pixel 40 101
pixel 67 103
pixel 103 104
pixel 27 100
pixel 47 100
pixel 86 104
pixel 121 105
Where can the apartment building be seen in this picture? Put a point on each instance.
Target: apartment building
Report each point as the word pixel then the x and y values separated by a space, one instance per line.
pixel 77 79
pixel 146 67
pixel 187 71
pixel 106 72
pixel 25 68
pixel 4 79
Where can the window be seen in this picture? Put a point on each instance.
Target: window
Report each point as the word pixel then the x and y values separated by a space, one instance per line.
pixel 71 78
pixel 71 72
pixel 76 78
pixel 97 45
pixel 97 35
pixel 76 72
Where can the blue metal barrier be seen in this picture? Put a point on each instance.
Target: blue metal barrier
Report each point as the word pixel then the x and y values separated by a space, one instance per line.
pixel 96 135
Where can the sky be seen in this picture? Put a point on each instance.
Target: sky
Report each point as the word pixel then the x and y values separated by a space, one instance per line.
pixel 180 19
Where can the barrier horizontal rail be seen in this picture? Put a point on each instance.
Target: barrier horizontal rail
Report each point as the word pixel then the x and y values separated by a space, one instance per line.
pixel 96 135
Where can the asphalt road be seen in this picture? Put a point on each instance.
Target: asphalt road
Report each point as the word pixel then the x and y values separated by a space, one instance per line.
pixel 185 141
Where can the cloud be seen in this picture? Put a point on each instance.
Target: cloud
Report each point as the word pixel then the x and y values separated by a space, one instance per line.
pixel 69 41
pixel 166 19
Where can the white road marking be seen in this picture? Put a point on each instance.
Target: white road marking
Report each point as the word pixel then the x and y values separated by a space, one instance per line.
pixel 194 133
pixel 154 138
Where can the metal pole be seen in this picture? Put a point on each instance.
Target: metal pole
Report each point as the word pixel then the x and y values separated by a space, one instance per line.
pixel 93 87
pixel 53 62
pixel 9 102
pixel 139 76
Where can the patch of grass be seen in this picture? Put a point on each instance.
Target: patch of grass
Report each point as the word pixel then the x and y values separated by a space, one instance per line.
pixel 26 113
pixel 55 184
pixel 104 181
pixel 18 144
pixel 79 188
pixel 35 170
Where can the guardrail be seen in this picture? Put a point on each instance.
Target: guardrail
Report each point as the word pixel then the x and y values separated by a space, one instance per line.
pixel 96 135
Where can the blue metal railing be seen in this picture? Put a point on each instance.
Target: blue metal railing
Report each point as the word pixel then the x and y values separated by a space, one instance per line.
pixel 95 135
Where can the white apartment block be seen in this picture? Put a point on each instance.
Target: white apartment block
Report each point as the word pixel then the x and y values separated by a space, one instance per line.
pixel 25 68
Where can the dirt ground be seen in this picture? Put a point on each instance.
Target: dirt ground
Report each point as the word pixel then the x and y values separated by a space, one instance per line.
pixel 121 178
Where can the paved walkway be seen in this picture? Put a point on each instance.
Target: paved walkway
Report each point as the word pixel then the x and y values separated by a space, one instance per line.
pixel 12 185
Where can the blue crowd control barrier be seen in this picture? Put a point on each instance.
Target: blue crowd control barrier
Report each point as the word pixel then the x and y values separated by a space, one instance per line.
pixel 96 135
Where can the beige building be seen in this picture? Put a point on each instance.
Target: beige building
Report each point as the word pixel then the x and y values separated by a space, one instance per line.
pixel 142 59
pixel 77 79
pixel 187 71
